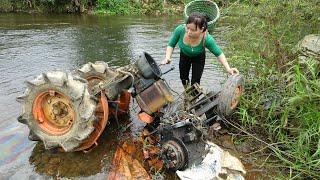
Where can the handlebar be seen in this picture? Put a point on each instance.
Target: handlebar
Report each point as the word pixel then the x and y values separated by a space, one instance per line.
pixel 172 68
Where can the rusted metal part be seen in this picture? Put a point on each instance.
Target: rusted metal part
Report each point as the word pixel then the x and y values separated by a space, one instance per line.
pixel 93 81
pixel 112 82
pixel 154 97
pixel 124 102
pixel 115 86
pixel 182 144
pixel 54 112
pixel 127 163
pixel 174 154
pixel 102 115
pixel 182 131
pixel 200 103
pixel 121 105
pixel 193 93
pixel 147 66
pixel 235 100
pixel 151 150
pixel 145 117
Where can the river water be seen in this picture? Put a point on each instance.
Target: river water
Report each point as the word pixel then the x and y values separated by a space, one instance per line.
pixel 33 44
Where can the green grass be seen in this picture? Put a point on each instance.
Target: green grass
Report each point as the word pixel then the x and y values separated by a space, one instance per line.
pixel 282 96
pixel 109 7
pixel 129 7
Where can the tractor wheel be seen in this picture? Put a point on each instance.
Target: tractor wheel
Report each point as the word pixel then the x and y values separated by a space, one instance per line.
pixel 58 110
pixel 99 71
pixel 96 72
pixel 230 94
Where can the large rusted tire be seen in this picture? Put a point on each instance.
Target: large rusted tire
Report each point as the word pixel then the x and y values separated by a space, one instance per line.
pixel 96 72
pixel 58 110
pixel 230 94
pixel 99 71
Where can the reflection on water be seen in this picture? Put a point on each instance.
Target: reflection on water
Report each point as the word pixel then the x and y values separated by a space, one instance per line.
pixel 74 164
pixel 14 142
pixel 33 44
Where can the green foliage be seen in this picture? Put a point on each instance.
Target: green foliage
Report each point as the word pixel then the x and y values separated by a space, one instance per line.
pixel 175 1
pixel 115 7
pixel 5 6
pixel 281 97
pixel 111 7
pixel 40 5
pixel 125 7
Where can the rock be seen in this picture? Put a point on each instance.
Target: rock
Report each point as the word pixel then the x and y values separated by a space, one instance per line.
pixel 309 47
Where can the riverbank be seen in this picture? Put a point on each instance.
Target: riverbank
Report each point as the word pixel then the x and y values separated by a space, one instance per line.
pixel 108 7
pixel 279 108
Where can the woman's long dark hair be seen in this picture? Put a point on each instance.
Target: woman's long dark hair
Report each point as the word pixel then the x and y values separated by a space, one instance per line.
pixel 199 20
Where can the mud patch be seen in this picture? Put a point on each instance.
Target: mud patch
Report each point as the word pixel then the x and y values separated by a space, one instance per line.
pixel 78 164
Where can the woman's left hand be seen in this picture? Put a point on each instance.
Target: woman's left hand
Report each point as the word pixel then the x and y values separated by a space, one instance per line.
pixel 233 71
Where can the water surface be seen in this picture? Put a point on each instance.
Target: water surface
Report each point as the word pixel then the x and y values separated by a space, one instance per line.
pixel 33 44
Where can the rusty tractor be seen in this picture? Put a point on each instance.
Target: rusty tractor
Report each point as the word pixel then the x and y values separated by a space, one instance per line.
pixel 69 111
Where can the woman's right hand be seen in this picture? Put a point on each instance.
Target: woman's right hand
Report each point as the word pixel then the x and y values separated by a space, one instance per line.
pixel 165 61
pixel 233 71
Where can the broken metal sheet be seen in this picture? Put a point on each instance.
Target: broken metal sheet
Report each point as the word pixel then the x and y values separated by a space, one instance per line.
pixel 216 164
pixel 126 163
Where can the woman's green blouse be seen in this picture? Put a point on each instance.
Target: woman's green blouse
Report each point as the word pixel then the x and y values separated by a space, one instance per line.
pixel 192 51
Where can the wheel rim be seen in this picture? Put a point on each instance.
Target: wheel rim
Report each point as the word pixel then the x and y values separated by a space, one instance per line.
pixel 53 112
pixel 236 97
pixel 174 155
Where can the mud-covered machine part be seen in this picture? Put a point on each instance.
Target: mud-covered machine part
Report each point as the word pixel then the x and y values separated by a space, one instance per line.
pixel 151 92
pixel 180 144
pixel 99 72
pixel 230 94
pixel 174 154
pixel 95 73
pixel 58 110
pixel 213 104
pixel 70 110
pixel 181 138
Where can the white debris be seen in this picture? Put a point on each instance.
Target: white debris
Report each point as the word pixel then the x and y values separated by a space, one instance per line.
pixel 216 164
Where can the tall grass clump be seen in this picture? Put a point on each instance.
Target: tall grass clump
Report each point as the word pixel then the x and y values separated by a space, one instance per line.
pixel 282 97
pixel 113 7
pixel 148 7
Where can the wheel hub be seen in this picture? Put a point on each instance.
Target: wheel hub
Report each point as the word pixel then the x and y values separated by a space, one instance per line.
pixel 174 155
pixel 235 99
pixel 60 112
pixel 54 112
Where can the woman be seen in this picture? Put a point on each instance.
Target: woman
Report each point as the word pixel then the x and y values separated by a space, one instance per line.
pixel 192 39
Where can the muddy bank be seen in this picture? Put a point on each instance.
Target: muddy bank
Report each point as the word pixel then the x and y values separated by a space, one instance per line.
pixel 245 151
